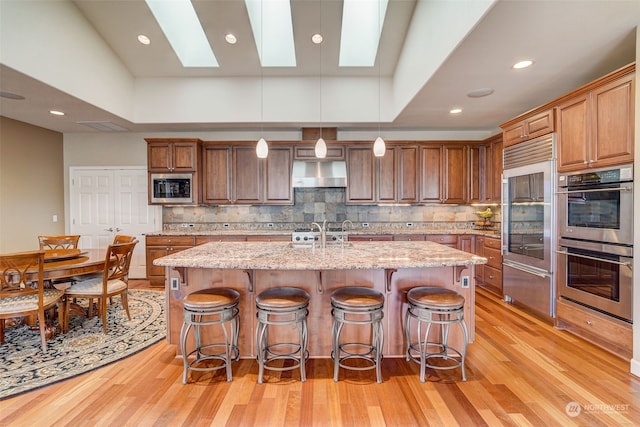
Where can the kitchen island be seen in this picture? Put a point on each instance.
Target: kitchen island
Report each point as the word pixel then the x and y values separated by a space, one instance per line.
pixel 251 267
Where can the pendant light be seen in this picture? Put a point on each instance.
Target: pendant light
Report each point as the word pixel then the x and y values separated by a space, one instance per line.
pixel 379 146
pixel 262 148
pixel 321 146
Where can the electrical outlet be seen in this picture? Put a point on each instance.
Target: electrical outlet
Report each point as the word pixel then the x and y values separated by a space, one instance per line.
pixel 270 225
pixel 465 281
pixel 365 225
pixel 409 224
pixel 226 225
pixel 175 283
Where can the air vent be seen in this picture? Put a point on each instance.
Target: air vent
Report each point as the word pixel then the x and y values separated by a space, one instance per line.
pixel 104 126
pixel 530 152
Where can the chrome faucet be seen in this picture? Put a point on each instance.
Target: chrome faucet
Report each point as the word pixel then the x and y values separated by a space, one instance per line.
pixel 345 237
pixel 323 235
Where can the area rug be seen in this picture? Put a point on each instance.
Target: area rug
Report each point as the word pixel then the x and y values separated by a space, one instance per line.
pixel 25 367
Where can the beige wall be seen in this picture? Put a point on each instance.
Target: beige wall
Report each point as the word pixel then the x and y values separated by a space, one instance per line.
pixel 31 185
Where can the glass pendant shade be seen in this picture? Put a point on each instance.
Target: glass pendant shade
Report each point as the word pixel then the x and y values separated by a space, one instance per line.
pixel 262 149
pixel 321 149
pixel 379 147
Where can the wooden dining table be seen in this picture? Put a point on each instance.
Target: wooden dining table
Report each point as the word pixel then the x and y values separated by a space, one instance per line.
pixel 60 264
pixel 67 263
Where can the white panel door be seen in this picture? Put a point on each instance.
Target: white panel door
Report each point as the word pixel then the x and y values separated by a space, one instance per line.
pixel 109 201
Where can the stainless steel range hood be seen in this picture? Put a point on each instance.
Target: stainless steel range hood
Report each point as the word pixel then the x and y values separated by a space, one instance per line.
pixel 315 173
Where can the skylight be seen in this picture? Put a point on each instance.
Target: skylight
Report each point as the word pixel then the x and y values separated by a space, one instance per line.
pixel 273 32
pixel 181 26
pixel 362 22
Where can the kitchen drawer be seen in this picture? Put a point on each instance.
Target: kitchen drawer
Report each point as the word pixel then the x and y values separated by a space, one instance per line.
pixel 370 237
pixel 206 239
pixel 492 243
pixel 609 333
pixel 443 239
pixel 493 277
pixel 270 238
pixel 408 237
pixel 494 259
pixel 492 280
pixel 170 240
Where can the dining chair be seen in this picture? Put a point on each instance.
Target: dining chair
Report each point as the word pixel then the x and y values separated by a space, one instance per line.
pixel 21 294
pixel 59 242
pixel 114 281
pixel 121 238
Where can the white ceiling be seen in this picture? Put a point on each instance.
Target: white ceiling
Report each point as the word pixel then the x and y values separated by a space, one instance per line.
pixel 572 42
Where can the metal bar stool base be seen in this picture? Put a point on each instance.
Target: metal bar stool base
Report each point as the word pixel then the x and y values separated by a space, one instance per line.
pixel 208 307
pixel 357 306
pixel 435 306
pixel 279 307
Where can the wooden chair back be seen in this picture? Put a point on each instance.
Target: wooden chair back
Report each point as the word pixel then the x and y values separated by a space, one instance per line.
pixel 121 238
pixel 22 289
pixel 117 262
pixel 59 242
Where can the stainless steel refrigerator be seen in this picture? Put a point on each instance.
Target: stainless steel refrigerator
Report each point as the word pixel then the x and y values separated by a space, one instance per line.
pixel 528 226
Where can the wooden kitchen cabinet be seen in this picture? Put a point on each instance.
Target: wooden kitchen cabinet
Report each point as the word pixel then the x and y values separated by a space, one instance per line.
pixel 604 331
pixel 397 175
pixel 494 167
pixel 492 271
pixel 456 174
pixel 478 249
pixel 596 125
pixel 159 246
pixel 477 173
pixel 173 155
pixel 360 173
pixel 233 174
pixel 431 174
pixel 528 126
pixel 216 176
pixel 450 240
pixel 277 188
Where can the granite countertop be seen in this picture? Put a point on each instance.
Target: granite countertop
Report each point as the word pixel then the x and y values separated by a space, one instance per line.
pixel 407 231
pixel 281 256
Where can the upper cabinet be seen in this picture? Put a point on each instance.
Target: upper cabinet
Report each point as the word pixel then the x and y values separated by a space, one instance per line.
pixel 397 177
pixel 360 175
pixel 529 126
pixel 596 125
pixel 485 170
pixel 173 155
pixel 235 175
pixel 444 173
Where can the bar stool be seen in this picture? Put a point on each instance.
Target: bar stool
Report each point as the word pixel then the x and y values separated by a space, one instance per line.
pixel 279 307
pixel 439 306
pixel 215 306
pixel 357 306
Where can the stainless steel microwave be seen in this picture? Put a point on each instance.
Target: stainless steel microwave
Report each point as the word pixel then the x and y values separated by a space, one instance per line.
pixel 172 188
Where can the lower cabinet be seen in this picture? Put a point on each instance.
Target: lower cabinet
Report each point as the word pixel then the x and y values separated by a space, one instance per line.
pixel 159 246
pixel 611 334
pixel 489 276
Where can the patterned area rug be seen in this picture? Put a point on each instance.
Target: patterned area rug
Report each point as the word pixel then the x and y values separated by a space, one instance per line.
pixel 24 367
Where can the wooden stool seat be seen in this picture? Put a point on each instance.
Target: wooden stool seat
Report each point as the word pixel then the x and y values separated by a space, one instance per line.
pixel 208 299
pixel 357 298
pixel 434 297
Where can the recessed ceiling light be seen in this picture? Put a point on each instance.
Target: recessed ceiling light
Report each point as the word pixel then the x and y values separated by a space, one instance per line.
pixel 144 39
pixel 317 38
pixel 455 111
pixel 231 38
pixel 10 95
pixel 56 112
pixel 479 93
pixel 522 64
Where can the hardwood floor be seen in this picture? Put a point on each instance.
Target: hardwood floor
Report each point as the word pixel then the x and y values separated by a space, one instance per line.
pixel 520 372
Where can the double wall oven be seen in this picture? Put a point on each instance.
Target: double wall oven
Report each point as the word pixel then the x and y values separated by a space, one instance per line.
pixel 595 248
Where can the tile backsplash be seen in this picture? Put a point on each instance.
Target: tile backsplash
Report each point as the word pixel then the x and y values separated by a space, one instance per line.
pixel 319 204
